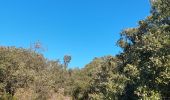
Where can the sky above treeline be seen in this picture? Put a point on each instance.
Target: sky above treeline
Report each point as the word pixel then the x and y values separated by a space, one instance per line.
pixel 83 29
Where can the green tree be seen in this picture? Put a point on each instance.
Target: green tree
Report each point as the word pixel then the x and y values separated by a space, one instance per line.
pixel 146 51
pixel 108 83
pixel 67 60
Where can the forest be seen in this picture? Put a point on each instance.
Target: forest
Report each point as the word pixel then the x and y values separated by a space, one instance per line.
pixel 140 72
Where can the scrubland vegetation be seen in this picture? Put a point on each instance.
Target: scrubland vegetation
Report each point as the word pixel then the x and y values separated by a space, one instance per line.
pixel 140 72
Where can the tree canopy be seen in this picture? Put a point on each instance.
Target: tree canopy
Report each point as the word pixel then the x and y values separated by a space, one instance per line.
pixel 140 72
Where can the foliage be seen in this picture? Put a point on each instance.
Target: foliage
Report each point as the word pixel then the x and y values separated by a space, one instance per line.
pixel 141 71
pixel 24 69
pixel 146 51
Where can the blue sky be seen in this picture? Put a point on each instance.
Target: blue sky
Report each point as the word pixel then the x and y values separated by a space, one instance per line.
pixel 83 29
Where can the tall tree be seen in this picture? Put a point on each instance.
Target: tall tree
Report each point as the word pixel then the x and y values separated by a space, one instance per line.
pixel 67 59
pixel 146 56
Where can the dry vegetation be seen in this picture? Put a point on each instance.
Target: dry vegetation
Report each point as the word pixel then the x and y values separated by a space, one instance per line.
pixel 140 72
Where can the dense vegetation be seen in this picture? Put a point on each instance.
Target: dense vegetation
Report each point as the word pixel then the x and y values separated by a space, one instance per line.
pixel 141 71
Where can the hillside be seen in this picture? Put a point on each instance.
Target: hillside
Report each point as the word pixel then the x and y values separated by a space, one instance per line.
pixel 140 72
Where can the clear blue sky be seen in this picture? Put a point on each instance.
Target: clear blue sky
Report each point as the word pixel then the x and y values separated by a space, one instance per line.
pixel 82 28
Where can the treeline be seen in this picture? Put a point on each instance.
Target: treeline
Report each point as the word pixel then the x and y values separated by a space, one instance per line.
pixel 140 71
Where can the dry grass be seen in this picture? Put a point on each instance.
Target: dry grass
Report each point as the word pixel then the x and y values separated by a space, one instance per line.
pixel 29 94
